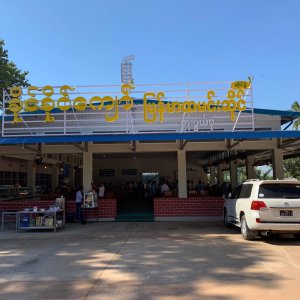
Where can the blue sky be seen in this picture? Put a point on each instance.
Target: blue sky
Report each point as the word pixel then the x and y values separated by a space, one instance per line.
pixel 83 42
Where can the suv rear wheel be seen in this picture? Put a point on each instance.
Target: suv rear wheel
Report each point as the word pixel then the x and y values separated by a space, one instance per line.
pixel 247 234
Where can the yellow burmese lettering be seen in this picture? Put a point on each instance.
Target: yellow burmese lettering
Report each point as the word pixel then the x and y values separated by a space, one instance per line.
pixel 161 106
pixel 15 92
pixel 32 88
pixel 114 104
pixel 31 104
pixel 80 103
pixel 240 93
pixel 178 107
pixel 64 103
pixel 48 90
pixel 193 106
pixel 48 103
pixel 149 108
pixel 15 104
pixel 231 107
pixel 209 106
pixel 236 85
pixel 185 107
pixel 225 105
pixel 231 94
pixel 210 94
pixel 47 106
pixel 210 102
pixel 64 90
pixel 170 107
pixel 241 105
pixel 201 106
pixel 98 100
pixel 125 89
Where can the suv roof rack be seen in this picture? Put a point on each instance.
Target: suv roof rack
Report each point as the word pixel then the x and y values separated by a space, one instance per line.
pixel 274 180
pixel 248 180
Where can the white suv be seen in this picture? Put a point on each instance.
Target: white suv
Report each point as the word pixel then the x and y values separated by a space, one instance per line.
pixel 263 207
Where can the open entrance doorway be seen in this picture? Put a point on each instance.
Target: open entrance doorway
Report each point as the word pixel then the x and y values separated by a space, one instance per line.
pixel 128 177
pixel 136 203
pixel 150 177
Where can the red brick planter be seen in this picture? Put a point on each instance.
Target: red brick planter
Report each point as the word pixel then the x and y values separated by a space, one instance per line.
pixel 188 208
pixel 106 211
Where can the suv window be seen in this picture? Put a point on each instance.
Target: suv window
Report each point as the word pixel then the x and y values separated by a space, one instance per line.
pixel 279 191
pixel 246 190
pixel 236 192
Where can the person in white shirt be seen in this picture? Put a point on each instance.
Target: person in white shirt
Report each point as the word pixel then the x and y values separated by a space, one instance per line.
pixel 79 200
pixel 164 188
pixel 101 190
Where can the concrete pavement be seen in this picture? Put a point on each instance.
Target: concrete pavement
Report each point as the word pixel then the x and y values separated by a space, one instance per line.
pixel 162 260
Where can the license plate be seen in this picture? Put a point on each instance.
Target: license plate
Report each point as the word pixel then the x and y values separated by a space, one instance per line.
pixel 286 213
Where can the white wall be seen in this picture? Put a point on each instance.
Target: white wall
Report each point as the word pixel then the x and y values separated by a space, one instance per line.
pixel 166 166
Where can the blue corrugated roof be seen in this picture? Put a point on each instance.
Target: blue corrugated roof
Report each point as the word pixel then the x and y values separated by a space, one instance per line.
pixel 273 112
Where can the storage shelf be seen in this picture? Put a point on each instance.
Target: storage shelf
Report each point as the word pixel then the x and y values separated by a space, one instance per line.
pixel 39 227
pixel 57 216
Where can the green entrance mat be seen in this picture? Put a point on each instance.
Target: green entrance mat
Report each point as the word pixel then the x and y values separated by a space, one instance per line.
pixel 135 217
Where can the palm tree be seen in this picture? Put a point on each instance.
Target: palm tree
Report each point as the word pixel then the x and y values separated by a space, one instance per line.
pixel 296 107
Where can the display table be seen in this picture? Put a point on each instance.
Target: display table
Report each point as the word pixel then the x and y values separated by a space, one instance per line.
pixel 37 220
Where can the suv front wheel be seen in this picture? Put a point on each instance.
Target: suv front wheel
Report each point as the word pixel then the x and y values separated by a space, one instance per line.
pixel 247 234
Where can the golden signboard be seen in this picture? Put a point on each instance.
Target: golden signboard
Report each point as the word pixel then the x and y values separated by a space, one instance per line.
pixel 153 110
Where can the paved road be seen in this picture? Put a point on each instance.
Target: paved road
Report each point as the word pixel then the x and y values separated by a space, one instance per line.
pixel 162 260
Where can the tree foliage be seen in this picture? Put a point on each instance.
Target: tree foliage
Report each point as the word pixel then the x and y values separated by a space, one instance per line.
pixel 10 75
pixel 263 173
pixel 292 167
pixel 296 107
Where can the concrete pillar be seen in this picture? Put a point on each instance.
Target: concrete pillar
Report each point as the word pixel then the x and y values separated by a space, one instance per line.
pixel 31 173
pixel 233 174
pixel 250 168
pixel 277 163
pixel 182 184
pixel 220 176
pixel 71 175
pixel 55 173
pixel 87 171
pixel 212 175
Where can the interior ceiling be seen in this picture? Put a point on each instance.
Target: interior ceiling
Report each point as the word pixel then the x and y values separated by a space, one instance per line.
pixel 134 155
pixel 290 146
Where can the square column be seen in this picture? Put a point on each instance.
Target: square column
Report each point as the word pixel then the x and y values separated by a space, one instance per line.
pixel 182 184
pixel 277 163
pixel 233 173
pixel 250 168
pixel 220 175
pixel 212 175
pixel 55 174
pixel 87 175
pixel 31 173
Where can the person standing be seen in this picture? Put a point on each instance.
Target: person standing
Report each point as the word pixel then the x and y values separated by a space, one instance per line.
pixel 164 188
pixel 79 202
pixel 101 191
